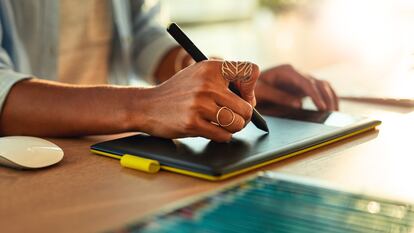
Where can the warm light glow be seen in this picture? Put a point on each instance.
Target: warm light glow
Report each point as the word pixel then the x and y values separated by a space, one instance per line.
pixel 374 31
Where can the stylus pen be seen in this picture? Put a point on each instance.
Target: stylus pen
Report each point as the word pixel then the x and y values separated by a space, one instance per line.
pixel 198 56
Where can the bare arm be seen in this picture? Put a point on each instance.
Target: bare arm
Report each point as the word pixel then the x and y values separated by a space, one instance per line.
pixel 183 106
pixel 45 108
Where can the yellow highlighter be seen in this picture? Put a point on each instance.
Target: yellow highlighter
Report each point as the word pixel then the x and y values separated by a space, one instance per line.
pixel 141 164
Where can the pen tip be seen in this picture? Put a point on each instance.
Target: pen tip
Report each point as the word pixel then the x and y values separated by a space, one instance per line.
pixel 264 127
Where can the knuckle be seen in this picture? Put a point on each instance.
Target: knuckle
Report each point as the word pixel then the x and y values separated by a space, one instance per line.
pixel 207 98
pixel 195 102
pixel 205 91
pixel 200 94
pixel 200 107
pixel 205 68
pixel 196 109
pixel 245 109
pixel 248 112
pixel 255 68
pixel 215 94
pixel 325 83
pixel 190 124
pixel 202 69
pixel 206 88
pixel 239 125
pixel 287 67
pixel 311 80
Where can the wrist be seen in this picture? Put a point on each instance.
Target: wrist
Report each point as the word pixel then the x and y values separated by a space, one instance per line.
pixel 136 108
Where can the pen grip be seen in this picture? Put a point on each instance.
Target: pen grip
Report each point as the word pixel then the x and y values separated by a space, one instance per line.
pixel 198 56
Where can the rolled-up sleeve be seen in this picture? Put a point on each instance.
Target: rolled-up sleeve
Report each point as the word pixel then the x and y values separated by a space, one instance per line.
pixel 7 79
pixel 150 40
pixel 8 76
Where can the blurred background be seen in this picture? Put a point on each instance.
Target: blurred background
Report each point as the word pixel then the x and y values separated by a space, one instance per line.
pixel 365 48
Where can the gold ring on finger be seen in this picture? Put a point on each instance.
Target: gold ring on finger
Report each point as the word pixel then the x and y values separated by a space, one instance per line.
pixel 218 117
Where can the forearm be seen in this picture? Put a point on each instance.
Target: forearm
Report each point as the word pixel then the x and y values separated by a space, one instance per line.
pixel 43 108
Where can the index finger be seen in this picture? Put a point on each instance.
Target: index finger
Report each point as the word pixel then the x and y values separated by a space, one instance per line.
pixel 309 88
pixel 244 76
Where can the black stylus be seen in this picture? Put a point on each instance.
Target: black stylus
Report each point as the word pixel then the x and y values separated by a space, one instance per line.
pixel 198 56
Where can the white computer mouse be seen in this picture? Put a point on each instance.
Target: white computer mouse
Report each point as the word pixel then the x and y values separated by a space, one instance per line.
pixel 28 152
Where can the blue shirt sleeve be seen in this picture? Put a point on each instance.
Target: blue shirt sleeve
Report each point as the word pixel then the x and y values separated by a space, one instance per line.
pixel 8 76
pixel 150 40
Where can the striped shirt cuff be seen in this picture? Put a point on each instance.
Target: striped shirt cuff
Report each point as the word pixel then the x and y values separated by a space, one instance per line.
pixel 7 79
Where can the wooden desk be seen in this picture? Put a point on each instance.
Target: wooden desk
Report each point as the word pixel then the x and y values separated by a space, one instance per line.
pixel 88 193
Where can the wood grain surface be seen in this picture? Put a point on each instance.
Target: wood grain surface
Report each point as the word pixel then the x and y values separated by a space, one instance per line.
pixel 91 193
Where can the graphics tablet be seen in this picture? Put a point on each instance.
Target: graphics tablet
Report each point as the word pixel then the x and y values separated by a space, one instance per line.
pixel 291 132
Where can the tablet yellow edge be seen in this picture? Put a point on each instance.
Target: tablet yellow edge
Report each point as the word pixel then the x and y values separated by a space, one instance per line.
pixel 223 177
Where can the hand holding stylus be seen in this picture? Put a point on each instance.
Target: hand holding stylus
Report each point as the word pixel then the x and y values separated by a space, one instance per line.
pixel 237 73
pixel 280 85
pixel 188 104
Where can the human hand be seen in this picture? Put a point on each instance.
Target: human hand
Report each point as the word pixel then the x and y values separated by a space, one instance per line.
pixel 283 85
pixel 186 104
